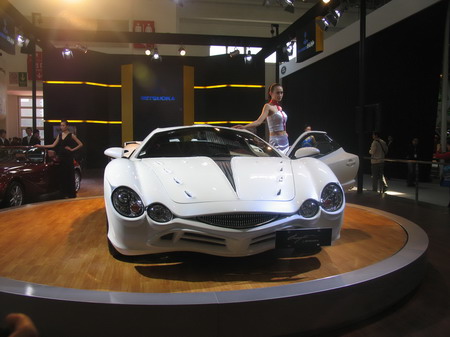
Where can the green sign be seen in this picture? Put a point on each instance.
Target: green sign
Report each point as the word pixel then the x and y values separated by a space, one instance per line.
pixel 23 81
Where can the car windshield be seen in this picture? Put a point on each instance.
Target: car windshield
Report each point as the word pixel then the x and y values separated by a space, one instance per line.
pixel 21 155
pixel 209 142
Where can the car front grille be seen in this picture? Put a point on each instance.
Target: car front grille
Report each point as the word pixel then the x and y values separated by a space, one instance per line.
pixel 238 220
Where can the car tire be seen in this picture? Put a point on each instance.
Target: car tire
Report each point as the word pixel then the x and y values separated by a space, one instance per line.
pixel 15 194
pixel 77 180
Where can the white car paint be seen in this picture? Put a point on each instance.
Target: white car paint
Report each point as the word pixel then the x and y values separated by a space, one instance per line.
pixel 195 186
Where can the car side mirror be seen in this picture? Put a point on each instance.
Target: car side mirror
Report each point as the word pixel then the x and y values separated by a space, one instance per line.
pixel 306 152
pixel 114 152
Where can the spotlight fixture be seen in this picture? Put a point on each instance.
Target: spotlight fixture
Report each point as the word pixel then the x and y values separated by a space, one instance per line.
pixel 248 58
pixel 325 1
pixel 234 53
pixel 67 53
pixel 148 52
pixel 288 5
pixel 182 51
pixel 323 24
pixel 22 41
pixel 156 56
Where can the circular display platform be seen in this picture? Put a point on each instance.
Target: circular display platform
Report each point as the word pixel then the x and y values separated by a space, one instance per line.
pixel 55 260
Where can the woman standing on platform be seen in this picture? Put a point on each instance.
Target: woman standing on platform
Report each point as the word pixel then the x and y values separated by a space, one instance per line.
pixel 276 119
pixel 65 144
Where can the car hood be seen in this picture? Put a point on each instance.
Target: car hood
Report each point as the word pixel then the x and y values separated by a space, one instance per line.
pixel 201 179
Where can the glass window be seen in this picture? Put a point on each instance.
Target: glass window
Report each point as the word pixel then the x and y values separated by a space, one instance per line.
pixel 26 115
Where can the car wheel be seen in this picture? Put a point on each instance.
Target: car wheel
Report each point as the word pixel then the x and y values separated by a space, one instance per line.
pixel 15 194
pixel 77 180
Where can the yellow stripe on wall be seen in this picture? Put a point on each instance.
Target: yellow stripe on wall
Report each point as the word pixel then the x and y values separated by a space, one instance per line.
pixel 87 121
pixel 218 86
pixel 86 83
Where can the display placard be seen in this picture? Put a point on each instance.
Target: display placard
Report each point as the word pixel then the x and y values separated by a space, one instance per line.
pixel 304 239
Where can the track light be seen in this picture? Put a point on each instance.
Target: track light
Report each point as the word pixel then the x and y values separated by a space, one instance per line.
pixel 182 51
pixel 323 23
pixel 288 5
pixel 22 41
pixel 67 53
pixel 325 1
pixel 155 55
pixel 234 53
pixel 148 52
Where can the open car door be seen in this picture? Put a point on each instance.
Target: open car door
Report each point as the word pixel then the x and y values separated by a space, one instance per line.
pixel 344 165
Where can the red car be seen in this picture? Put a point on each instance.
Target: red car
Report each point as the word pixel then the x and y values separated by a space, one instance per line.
pixel 29 173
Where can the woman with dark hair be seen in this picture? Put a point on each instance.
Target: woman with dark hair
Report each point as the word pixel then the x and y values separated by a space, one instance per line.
pixel 276 119
pixel 65 144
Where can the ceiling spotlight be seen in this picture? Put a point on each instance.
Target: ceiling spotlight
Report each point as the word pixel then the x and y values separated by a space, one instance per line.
pixel 182 51
pixel 67 53
pixel 323 23
pixel 156 56
pixel 288 5
pixel 325 1
pixel 22 41
pixel 148 52
pixel 234 53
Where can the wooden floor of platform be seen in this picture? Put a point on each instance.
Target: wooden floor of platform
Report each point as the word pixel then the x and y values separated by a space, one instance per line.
pixel 63 244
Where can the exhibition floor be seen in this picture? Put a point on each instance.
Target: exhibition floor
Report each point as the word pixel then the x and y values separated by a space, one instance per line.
pixel 426 311
pixel 423 312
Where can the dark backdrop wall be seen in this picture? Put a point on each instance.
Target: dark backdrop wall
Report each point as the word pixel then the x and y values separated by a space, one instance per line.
pixel 403 67
pixel 86 102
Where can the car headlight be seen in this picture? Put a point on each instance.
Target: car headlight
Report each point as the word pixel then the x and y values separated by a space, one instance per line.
pixel 159 213
pixel 309 208
pixel 127 202
pixel 332 197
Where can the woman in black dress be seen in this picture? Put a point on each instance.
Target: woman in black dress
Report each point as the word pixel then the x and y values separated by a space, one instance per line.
pixel 65 144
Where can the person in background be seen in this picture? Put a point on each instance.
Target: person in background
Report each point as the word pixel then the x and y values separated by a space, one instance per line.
pixel 15 141
pixel 276 119
pixel 20 325
pixel 3 140
pixel 412 154
pixel 309 141
pixel 378 151
pixel 65 144
pixel 29 139
pixel 37 136
pixel 445 179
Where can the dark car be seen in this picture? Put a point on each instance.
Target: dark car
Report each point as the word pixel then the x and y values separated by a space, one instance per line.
pixel 29 173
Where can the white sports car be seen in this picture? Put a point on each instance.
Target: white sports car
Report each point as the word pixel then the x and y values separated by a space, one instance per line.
pixel 218 191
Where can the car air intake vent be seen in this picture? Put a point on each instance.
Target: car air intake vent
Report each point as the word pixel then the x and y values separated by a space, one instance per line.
pixel 238 220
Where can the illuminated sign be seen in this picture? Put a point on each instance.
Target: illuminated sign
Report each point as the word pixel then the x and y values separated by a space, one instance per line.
pixel 309 41
pixel 158 98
